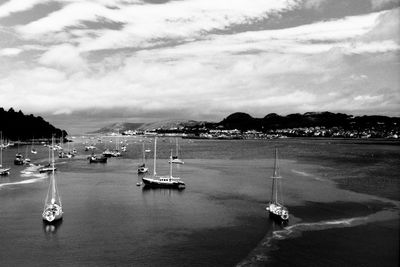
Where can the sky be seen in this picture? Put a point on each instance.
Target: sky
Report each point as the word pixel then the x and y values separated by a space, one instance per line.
pixel 82 64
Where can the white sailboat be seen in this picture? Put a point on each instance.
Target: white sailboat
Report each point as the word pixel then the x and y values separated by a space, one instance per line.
pixel 49 167
pixel 52 210
pixel 175 159
pixel 3 171
pixel 33 150
pixel 27 160
pixel 162 181
pixel 142 167
pixel 276 209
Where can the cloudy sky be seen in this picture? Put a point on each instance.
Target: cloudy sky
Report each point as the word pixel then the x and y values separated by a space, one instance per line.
pixel 84 63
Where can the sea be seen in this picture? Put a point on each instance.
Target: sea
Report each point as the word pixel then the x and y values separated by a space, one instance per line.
pixel 342 195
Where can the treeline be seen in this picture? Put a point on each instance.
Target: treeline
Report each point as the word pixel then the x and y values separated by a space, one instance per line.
pixel 18 126
pixel 273 121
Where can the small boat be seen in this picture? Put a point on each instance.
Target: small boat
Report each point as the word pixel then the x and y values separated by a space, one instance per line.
pixel 91 147
pixel 163 181
pixel 277 210
pixel 33 150
pixel 27 160
pixel 49 167
pixel 175 159
pixel 111 153
pixel 96 159
pixel 3 171
pixel 142 167
pixel 52 210
pixel 19 159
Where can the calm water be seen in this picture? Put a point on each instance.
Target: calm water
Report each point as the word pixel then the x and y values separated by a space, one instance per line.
pixel 218 220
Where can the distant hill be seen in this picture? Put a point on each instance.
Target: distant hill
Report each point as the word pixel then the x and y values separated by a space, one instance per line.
pixel 121 127
pixel 272 121
pixel 18 126
pixel 244 121
pixel 160 125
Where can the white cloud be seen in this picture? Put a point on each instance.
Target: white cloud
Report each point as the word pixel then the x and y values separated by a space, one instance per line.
pixel 306 67
pixel 144 23
pixel 9 52
pixel 63 56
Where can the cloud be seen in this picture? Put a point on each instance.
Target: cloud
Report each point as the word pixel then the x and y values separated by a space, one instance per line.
pixel 313 3
pixel 63 56
pixel 184 58
pixel 378 4
pixel 17 6
pixel 9 52
pixel 144 23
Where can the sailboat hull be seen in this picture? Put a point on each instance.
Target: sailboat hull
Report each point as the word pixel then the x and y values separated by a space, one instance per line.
pixel 278 212
pixel 4 172
pixel 52 213
pixel 156 183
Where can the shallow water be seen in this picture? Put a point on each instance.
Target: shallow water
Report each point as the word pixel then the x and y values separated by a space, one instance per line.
pixel 218 220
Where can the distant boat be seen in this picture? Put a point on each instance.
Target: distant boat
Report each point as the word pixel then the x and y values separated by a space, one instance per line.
pixel 175 159
pixel 96 159
pixel 91 147
pixel 276 209
pixel 163 181
pixel 27 160
pixel 3 171
pixel 142 167
pixel 52 210
pixel 49 167
pixel 33 150
pixel 111 153
pixel 19 159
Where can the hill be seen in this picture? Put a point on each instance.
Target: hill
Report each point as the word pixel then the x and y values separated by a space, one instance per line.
pixel 159 125
pixel 243 121
pixel 18 126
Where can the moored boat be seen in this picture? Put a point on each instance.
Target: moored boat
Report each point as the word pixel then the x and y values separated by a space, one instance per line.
pixel 175 159
pixel 276 209
pixel 3 171
pixel 142 167
pixel 97 159
pixel 19 159
pixel 163 181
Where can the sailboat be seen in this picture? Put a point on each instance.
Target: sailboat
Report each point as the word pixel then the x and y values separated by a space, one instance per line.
pixel 3 171
pixel 162 181
pixel 52 210
pixel 142 167
pixel 175 159
pixel 49 167
pixel 33 150
pixel 276 209
pixel 27 160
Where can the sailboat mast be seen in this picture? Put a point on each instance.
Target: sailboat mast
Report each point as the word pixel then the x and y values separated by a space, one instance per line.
pixel 170 165
pixel 275 175
pixel 144 155
pixel 155 155
pixel 53 190
pixel 177 147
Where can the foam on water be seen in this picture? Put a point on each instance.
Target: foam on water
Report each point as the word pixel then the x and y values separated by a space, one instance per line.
pixel 28 181
pixel 259 256
pixel 305 174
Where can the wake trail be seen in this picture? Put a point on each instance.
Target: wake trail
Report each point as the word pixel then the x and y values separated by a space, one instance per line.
pixel 28 181
pixel 259 256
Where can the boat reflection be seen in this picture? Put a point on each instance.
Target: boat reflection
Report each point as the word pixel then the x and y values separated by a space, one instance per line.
pixel 51 229
pixel 163 191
